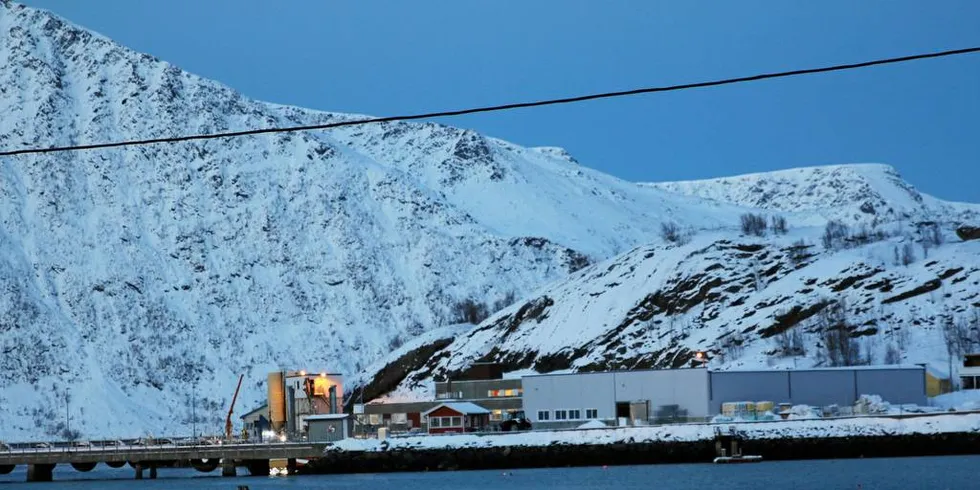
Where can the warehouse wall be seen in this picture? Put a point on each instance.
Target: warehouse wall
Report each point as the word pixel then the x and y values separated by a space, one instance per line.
pixel 894 385
pixel 687 388
pixel 570 391
pixel 818 387
pixel 748 386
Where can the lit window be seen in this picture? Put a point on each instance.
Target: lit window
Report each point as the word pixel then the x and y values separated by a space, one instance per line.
pixel 574 414
pixel 374 419
pixel 497 415
pixel 561 414
pixel 591 413
pixel 544 415
pixel 509 393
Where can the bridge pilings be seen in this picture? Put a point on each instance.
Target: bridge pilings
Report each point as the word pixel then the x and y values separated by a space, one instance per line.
pixel 40 472
pixel 258 467
pixel 228 467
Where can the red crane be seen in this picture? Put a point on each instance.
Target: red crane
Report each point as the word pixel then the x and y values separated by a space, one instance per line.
pixel 232 409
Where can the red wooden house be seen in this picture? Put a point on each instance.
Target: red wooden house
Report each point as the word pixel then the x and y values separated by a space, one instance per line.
pixel 457 417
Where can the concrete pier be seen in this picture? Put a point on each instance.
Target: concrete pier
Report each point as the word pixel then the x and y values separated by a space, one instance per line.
pixel 153 471
pixel 228 467
pixel 139 470
pixel 258 467
pixel 40 472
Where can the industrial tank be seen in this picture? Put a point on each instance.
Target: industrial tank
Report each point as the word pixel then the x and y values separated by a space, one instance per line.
pixel 277 400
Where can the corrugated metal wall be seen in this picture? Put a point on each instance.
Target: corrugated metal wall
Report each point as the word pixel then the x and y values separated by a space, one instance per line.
pixel 818 387
pixel 748 386
pixel 569 391
pixel 687 388
pixel 894 385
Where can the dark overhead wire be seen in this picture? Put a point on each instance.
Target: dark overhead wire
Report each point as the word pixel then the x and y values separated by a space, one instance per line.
pixel 519 105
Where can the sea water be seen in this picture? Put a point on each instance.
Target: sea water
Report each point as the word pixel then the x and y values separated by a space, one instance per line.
pixel 932 473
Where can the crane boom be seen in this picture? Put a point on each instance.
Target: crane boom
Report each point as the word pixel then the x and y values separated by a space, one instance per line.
pixel 232 408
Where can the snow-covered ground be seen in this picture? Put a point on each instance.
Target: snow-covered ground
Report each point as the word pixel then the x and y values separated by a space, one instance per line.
pixel 861 426
pixel 958 400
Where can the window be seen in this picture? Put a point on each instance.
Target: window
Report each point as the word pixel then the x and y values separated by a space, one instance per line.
pixel 591 413
pixel 374 419
pixel 969 382
pixel 434 422
pixel 399 418
pixel 561 414
pixel 575 414
pixel 457 422
pixel 544 415
pixel 497 415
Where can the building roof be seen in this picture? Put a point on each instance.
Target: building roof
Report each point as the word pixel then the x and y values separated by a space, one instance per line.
pixel 880 367
pixel 327 416
pixel 263 408
pixel 465 408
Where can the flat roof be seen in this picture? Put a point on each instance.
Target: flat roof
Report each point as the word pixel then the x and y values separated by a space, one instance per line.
pixel 328 416
pixel 616 371
pixel 881 367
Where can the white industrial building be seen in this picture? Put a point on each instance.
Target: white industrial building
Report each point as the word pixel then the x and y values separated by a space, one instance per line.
pixel 696 394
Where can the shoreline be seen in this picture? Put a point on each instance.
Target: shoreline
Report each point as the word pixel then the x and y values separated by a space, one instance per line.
pixel 865 437
pixel 639 453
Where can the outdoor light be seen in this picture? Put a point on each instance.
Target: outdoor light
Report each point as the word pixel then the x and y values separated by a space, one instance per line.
pixel 323 375
pixel 302 373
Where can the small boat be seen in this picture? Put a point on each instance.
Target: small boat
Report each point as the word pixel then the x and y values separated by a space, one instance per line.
pixel 749 458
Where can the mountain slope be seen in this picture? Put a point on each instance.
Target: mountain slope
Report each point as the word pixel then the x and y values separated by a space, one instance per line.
pixel 131 275
pixel 745 301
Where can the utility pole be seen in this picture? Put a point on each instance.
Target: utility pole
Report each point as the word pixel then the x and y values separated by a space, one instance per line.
pixel 194 411
pixel 67 415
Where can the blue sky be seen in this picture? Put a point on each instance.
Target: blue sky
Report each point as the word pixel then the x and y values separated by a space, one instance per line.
pixel 393 57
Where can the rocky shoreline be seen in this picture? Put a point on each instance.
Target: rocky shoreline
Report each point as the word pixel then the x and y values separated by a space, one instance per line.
pixel 634 453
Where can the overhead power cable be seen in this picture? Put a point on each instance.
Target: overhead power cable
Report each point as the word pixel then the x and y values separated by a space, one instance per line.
pixel 504 107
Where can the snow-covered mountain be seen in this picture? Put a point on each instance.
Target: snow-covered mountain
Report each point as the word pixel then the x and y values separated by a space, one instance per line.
pixel 130 275
pixel 776 301
pixel 857 193
pixel 135 280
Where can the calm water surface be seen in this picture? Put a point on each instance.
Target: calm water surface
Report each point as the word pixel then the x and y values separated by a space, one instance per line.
pixel 938 473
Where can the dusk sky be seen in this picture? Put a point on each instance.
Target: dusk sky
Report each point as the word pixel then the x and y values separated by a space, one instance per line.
pixel 395 57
